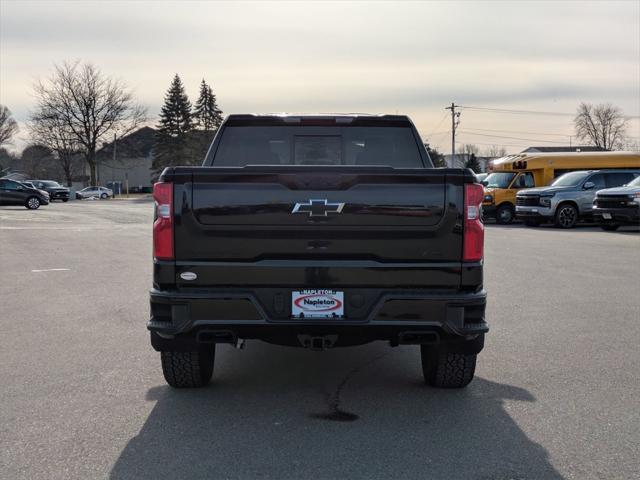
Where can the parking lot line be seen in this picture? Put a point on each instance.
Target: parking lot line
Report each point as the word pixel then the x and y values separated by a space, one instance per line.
pixel 52 270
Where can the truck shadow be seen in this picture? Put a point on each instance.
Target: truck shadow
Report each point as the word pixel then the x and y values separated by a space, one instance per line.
pixel 263 418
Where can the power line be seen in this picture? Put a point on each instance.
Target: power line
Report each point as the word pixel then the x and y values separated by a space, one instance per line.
pixel 437 133
pixel 518 112
pixel 564 135
pixel 439 123
pixel 526 133
pixel 508 137
pixel 502 144
pixel 528 112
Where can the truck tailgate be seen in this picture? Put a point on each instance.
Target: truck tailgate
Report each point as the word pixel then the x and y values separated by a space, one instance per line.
pixel 385 215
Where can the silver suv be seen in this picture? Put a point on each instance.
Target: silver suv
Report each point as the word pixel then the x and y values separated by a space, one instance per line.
pixel 569 198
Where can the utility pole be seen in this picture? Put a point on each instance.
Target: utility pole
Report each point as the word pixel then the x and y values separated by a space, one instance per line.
pixel 455 121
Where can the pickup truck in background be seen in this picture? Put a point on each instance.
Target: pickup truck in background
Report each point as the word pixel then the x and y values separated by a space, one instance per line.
pixel 614 207
pixel 318 231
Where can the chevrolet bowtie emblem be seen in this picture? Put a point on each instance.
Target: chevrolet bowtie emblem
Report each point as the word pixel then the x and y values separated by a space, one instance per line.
pixel 318 208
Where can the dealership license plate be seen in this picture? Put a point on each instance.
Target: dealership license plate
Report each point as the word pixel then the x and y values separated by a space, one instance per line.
pixel 606 216
pixel 317 304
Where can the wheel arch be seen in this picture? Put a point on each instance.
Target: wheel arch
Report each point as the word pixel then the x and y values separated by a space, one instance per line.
pixel 506 203
pixel 564 202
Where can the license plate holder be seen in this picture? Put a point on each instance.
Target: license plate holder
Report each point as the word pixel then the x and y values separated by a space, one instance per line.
pixel 607 216
pixel 317 304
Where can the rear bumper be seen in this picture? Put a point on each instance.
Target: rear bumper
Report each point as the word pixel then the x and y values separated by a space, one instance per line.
pixel 183 319
pixel 627 216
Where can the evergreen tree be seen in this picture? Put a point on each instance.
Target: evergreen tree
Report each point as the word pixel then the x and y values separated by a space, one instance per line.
pixel 207 118
pixel 473 163
pixel 207 115
pixel 436 157
pixel 172 135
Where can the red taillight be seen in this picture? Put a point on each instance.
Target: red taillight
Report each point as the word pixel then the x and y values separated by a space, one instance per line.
pixel 163 224
pixel 473 249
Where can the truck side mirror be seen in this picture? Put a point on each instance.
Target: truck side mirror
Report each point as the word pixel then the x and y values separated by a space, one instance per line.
pixel 588 185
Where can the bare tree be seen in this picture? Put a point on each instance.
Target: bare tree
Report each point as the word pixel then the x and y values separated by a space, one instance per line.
pixel 90 106
pixel 8 125
pixel 37 161
pixel 601 125
pixel 632 146
pixel 8 161
pixel 51 132
pixel 495 151
pixel 469 148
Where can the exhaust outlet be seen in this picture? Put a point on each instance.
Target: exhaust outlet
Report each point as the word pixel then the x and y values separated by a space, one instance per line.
pixel 418 338
pixel 216 336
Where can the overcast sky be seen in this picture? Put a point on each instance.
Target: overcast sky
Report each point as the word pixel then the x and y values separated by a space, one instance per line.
pixel 375 57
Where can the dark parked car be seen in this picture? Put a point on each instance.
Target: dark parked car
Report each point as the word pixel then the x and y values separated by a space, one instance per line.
pixel 318 231
pixel 54 189
pixel 613 207
pixel 17 193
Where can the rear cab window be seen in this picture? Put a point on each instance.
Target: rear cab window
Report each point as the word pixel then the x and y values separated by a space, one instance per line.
pixel 314 144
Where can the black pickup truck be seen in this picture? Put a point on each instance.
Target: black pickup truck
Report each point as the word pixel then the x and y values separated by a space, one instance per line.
pixel 318 231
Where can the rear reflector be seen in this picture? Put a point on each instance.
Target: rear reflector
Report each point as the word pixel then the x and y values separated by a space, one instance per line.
pixel 473 249
pixel 163 224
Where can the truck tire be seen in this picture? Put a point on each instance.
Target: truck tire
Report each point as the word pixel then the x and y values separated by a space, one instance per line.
pixel 444 369
pixel 566 215
pixel 505 214
pixel 32 203
pixel 188 369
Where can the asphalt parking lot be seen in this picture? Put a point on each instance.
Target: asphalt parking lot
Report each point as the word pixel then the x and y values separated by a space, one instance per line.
pixel 82 395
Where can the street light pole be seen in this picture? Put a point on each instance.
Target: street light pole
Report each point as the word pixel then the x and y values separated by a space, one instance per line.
pixel 113 163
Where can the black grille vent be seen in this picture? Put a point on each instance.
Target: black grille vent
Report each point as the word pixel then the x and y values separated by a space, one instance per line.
pixel 528 201
pixel 611 202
